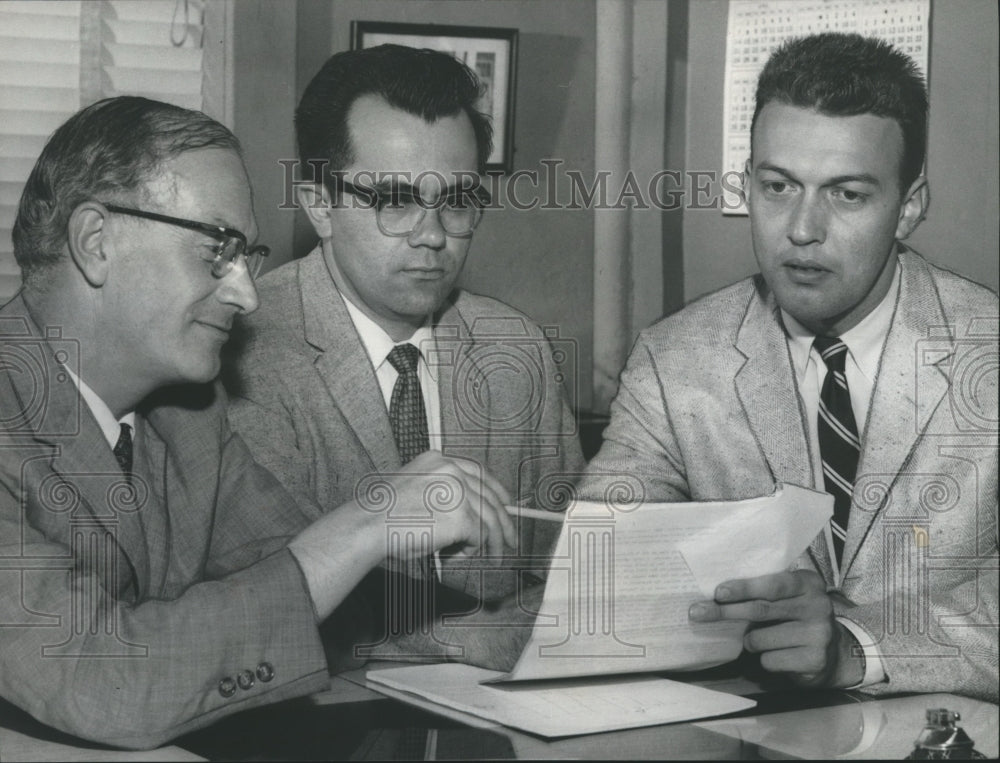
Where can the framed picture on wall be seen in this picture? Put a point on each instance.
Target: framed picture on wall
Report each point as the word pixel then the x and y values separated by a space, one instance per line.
pixel 491 52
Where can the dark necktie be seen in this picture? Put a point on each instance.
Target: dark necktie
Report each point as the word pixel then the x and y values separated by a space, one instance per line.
pixel 123 449
pixel 409 425
pixel 406 408
pixel 838 437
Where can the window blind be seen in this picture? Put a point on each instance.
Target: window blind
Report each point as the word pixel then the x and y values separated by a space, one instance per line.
pixel 57 56
pixel 153 49
pixel 39 90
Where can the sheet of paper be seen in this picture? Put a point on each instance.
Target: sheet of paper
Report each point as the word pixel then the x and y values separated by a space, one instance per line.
pixel 343 692
pixel 622 579
pixel 557 708
pixel 765 536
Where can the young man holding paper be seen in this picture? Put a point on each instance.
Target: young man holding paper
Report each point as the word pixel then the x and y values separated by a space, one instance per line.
pixel 849 364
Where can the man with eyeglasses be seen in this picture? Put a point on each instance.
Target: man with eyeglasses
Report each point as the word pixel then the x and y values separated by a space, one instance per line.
pixel 394 147
pixel 153 577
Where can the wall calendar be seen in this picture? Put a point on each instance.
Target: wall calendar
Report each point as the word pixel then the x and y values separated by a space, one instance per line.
pixel 758 27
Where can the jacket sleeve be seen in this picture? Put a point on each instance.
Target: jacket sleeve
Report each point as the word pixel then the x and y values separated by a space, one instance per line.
pixel 83 656
pixel 957 648
pixel 640 458
pixel 259 413
pixel 135 676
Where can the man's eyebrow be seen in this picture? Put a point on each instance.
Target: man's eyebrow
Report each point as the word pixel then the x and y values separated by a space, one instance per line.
pixel 765 166
pixel 222 223
pixel 859 177
pixel 387 185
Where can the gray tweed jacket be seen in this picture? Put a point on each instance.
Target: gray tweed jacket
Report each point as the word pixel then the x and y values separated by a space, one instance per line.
pixel 708 409
pixel 306 400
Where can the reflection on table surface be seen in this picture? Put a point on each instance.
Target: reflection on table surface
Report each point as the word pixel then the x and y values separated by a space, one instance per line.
pixel 874 729
pixel 352 722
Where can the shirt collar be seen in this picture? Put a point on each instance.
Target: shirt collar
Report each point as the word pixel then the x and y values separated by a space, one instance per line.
pixel 110 427
pixel 864 341
pixel 377 343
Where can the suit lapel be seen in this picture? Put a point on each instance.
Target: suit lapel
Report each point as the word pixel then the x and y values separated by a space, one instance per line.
pixel 343 363
pixel 81 459
pixel 769 395
pixel 87 463
pixel 457 374
pixel 767 390
pixel 897 414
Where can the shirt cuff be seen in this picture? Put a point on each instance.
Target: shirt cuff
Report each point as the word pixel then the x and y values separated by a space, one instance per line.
pixel 874 671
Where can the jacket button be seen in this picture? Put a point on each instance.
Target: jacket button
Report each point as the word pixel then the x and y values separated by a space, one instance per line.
pixel 245 679
pixel 265 671
pixel 227 687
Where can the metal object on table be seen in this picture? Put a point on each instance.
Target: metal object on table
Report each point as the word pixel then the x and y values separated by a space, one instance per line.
pixel 941 739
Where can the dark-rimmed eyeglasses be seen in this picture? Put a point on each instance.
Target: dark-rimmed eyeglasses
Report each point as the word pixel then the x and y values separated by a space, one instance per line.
pixel 400 210
pixel 222 258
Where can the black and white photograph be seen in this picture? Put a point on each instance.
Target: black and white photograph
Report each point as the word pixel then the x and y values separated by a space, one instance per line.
pixel 499 379
pixel 490 52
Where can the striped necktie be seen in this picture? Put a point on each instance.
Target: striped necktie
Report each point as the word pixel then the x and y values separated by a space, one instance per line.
pixel 839 445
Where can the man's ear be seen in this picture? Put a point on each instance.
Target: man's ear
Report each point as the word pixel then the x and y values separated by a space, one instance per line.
pixel 914 208
pixel 86 238
pixel 745 184
pixel 314 198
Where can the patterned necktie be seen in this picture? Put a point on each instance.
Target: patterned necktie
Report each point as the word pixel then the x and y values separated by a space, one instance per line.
pixel 409 427
pixel 406 408
pixel 839 445
pixel 123 449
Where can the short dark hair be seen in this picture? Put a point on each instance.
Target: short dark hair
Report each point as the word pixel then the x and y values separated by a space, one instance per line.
pixel 422 82
pixel 846 75
pixel 103 151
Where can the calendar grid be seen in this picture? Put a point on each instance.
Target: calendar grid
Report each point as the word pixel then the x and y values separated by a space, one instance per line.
pixel 756 29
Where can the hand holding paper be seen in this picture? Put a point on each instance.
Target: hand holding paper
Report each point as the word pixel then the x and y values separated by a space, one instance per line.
pixel 620 583
pixel 801 637
pixel 798 635
pixel 622 579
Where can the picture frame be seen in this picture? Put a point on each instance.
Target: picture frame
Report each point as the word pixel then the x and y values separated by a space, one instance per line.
pixel 491 52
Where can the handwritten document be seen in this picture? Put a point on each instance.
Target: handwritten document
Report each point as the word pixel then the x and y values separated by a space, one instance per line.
pixel 622 579
pixel 556 708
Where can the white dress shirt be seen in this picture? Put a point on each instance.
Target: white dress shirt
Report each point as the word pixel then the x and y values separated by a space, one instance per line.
pixel 110 427
pixel 864 349
pixel 379 344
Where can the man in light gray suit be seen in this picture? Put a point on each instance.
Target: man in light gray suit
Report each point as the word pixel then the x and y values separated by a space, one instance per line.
pixel 153 578
pixel 733 393
pixel 318 387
